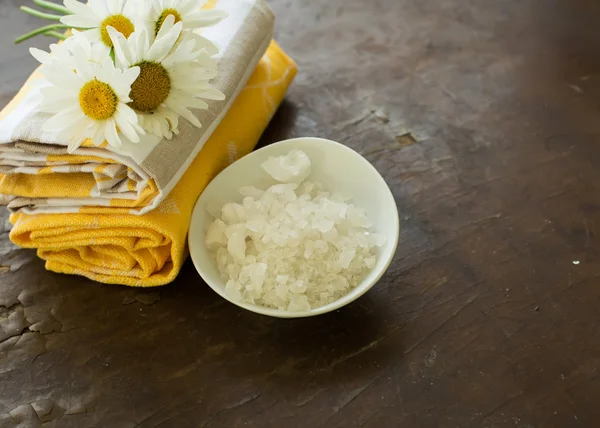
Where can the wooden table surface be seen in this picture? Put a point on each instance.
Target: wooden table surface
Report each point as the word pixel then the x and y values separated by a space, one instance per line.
pixel 484 118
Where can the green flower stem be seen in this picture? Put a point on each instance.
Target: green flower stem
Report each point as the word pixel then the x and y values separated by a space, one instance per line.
pixel 43 30
pixel 56 34
pixel 41 15
pixel 53 7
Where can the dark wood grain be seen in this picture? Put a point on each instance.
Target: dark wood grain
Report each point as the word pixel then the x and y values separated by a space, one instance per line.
pixel 483 116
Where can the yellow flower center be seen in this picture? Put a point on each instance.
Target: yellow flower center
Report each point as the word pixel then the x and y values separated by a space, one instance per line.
pixel 161 19
pixel 120 23
pixel 98 100
pixel 151 88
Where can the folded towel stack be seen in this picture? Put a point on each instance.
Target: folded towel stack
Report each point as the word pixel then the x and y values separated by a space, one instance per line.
pixel 122 217
pixel 40 177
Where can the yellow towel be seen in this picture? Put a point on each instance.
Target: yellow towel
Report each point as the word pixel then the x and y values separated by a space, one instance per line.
pixel 149 250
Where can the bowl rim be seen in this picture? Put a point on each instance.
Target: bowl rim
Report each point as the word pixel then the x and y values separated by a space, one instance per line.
pixel 353 295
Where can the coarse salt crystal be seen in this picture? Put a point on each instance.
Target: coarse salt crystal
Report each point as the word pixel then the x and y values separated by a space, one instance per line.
pixel 295 167
pixel 346 256
pixel 299 303
pixel 370 262
pixel 236 245
pixel 233 213
pixel 215 236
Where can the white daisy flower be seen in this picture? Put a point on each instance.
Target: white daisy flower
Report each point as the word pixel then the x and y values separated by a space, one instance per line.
pixel 190 14
pixel 89 99
pixel 174 77
pixel 97 15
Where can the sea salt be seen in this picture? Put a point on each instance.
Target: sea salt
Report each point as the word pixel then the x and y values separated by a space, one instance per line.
pixel 295 167
pixel 293 246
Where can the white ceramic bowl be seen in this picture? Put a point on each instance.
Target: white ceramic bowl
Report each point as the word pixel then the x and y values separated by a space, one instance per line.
pixel 340 169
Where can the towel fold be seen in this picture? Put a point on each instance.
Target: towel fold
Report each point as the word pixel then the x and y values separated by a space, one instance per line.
pixel 37 175
pixel 149 249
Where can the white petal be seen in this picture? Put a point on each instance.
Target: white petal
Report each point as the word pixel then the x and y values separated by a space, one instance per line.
pixel 65 103
pixel 166 26
pixel 77 131
pixel 138 44
pixel 207 45
pixel 122 84
pixel 87 46
pixel 57 78
pixel 146 42
pixel 153 12
pixel 130 75
pixel 195 103
pixel 131 8
pixel 191 88
pixel 167 128
pixel 183 99
pixel 108 66
pixel 127 112
pixel 55 48
pixel 92 35
pixel 183 53
pixel 75 143
pixel 205 61
pixel 80 46
pixel 185 113
pixel 101 74
pixel 81 9
pixel 211 94
pixel 172 118
pixel 198 103
pixel 55 94
pixel 205 18
pixel 162 128
pixel 152 124
pixel 84 70
pixel 191 76
pixel 164 41
pixel 121 47
pixel 42 56
pixel 114 7
pixel 99 8
pixel 79 21
pixel 111 134
pixel 126 128
pixel 97 133
pixel 53 104
pixel 98 52
pixel 139 129
pixel 61 120
pixel 187 7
